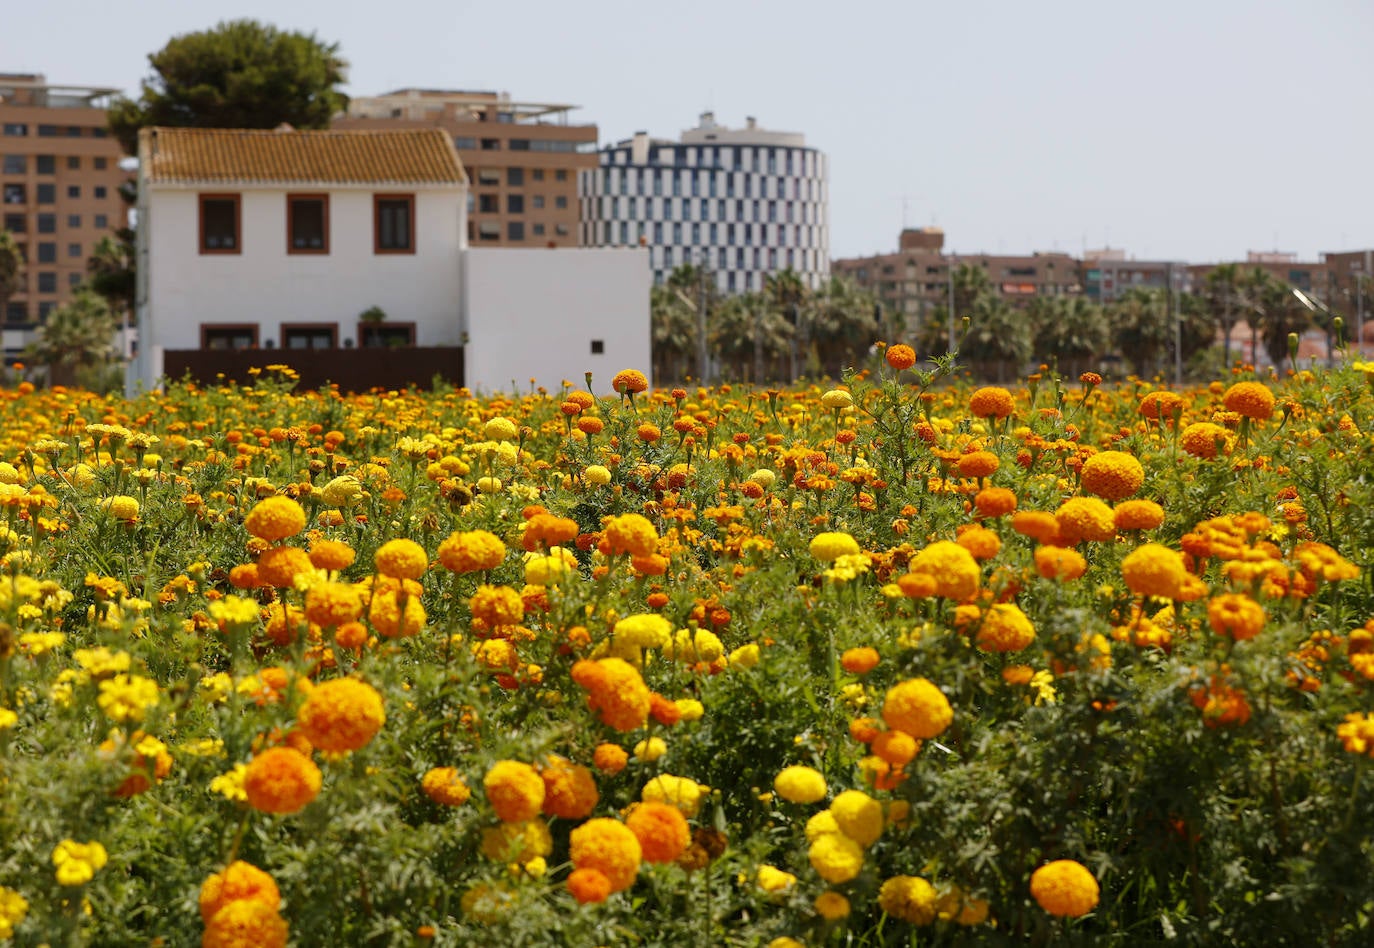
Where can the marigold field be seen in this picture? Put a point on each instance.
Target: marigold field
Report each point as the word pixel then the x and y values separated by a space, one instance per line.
pixel 896 660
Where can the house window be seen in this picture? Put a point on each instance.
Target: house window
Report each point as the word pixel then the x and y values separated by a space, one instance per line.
pixel 538 174
pixel 537 201
pixel 74 279
pixel 515 230
pixel 47 223
pixel 228 336
pixel 16 312
pixel 394 219
pixel 560 229
pixel 15 164
pixel 538 230
pixel 73 250
pixel 515 204
pixel 309 336
pixel 102 221
pixel 488 203
pixel 386 335
pixel 100 192
pixel 47 194
pixel 307 222
pixel 47 282
pixel 489 230
pixel 515 177
pixel 560 202
pixel 489 176
pixel 73 162
pixel 16 128
pixel 73 220
pixel 598 347
pixel 16 223
pixel 47 131
pixel 47 253
pixel 73 190
pixel 560 175
pixel 46 164
pixel 220 220
pixel 100 164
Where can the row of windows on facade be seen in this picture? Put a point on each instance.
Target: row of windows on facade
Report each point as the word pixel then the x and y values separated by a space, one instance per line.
pixel 515 203
pixel 46 252
pixel 669 208
pixel 18 312
pixel 47 223
pixel 515 230
pixel 745 234
pixel 47 193
pixel 769 158
pixel 307 223
pixel 514 177
pixel 728 282
pixel 301 336
pixel 736 258
pixel 464 143
pixel 47 279
pixel 47 164
pixel 705 184
pixel 21 129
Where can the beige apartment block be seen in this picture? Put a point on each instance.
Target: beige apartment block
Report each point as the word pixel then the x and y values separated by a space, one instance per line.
pixel 59 190
pixel 522 158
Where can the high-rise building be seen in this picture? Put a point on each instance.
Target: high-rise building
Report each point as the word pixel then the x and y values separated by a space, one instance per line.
pixel 743 203
pixel 59 190
pixel 522 158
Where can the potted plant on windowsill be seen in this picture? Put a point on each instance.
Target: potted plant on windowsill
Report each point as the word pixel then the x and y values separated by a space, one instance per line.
pixel 373 316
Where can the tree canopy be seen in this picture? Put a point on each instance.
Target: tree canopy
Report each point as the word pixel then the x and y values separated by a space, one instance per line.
pixel 241 74
pixel 11 266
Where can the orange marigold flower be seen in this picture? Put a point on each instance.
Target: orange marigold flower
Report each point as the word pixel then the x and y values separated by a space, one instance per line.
pixel 275 518
pixel 245 922
pixel 341 715
pixel 1154 570
pixel 239 881
pixel 497 606
pixel 917 707
pixel 977 464
pixel 859 661
pixel 401 559
pixel 569 789
pixel 1138 515
pixel 630 534
pixel 1059 562
pixel 1064 888
pixel 618 694
pixel 395 610
pixel 980 541
pixel 661 830
pixel 630 381
pixel 280 565
pixel 332 604
pixel 1113 475
pixel 1204 440
pixel 1004 628
pixel 898 748
pixel 1249 399
pixel 610 758
pixel 1160 406
pixel 1221 704
pixel 994 502
pixel 545 530
pixel 991 402
pixel 331 555
pixel 953 568
pixel 609 847
pixel 1236 616
pixel 1084 518
pixel 514 790
pixel 901 357
pixel 445 786
pixel 472 550
pixel 589 886
pixel 281 780
pixel 245 576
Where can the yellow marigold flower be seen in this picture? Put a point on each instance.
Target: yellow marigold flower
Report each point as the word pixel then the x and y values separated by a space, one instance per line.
pixel 650 749
pixel 234 612
pixel 1059 562
pixel 14 908
pixel 917 707
pixel 547 568
pixel 121 507
pixel 279 566
pixel 517 842
pixel 828 547
pixel 245 922
pixel 1357 734
pixel 401 559
pixel 746 656
pixel 341 715
pixel 8 719
pixel 77 863
pixel 275 518
pixel 470 551
pixel 331 555
pixel 281 780
pixel 1250 400
pixel 445 786
pixel 859 816
pixel 991 402
pixel 953 568
pixel 689 709
pixel 1202 439
pixel 384 609
pixel 831 906
pixel 230 784
pixel 1235 615
pixel 569 789
pixel 497 605
pixel 837 399
pixel 910 898
pixel 331 604
pixel 1064 888
pixel 343 491
pixel 630 534
pixel 1005 628
pixel 609 847
pixel 798 784
pixel 1154 570
pixel 239 881
pixel 685 794
pixel 772 879
pixel 629 381
pixel 1084 518
pixel 500 429
pixel 514 790
pixel 836 857
pixel 1138 515
pixel 40 643
pixel 125 698
pixel 1113 475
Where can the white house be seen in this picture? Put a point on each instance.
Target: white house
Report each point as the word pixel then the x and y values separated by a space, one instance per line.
pixel 281 240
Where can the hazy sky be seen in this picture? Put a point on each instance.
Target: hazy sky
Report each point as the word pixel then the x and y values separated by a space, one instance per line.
pixel 1187 130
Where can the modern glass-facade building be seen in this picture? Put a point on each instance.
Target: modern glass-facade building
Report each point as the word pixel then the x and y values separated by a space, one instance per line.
pixel 745 203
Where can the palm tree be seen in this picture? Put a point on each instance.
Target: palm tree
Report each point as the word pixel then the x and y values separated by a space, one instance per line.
pixel 971 284
pixel 112 274
pixel 998 338
pixel 842 324
pixel 1222 292
pixel 11 267
pixel 1071 328
pixel 1283 313
pixel 673 315
pixel 77 341
pixel 1142 327
pixel 746 331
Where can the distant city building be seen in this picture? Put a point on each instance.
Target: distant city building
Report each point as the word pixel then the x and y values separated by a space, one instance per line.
pixel 744 203
pixel 1350 288
pixel 1309 276
pixel 1108 273
pixel 915 279
pixel 522 158
pixel 59 190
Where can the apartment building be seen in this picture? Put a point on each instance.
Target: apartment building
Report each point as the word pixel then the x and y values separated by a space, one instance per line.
pixel 59 190
pixel 744 203
pixel 916 278
pixel 1108 273
pixel 522 158
pixel 1350 290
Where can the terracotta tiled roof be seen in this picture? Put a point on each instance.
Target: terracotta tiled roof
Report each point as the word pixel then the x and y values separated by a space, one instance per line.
pixel 234 155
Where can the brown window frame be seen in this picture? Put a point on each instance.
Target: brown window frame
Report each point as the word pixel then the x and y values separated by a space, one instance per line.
pixel 289 327
pixel 291 201
pixel 207 328
pixel 365 328
pixel 377 200
pixel 237 200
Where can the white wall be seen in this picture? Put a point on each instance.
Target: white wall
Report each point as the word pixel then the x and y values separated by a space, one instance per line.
pixel 265 285
pixel 534 314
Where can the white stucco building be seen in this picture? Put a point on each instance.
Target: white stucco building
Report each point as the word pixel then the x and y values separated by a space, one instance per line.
pixel 282 240
pixel 745 203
